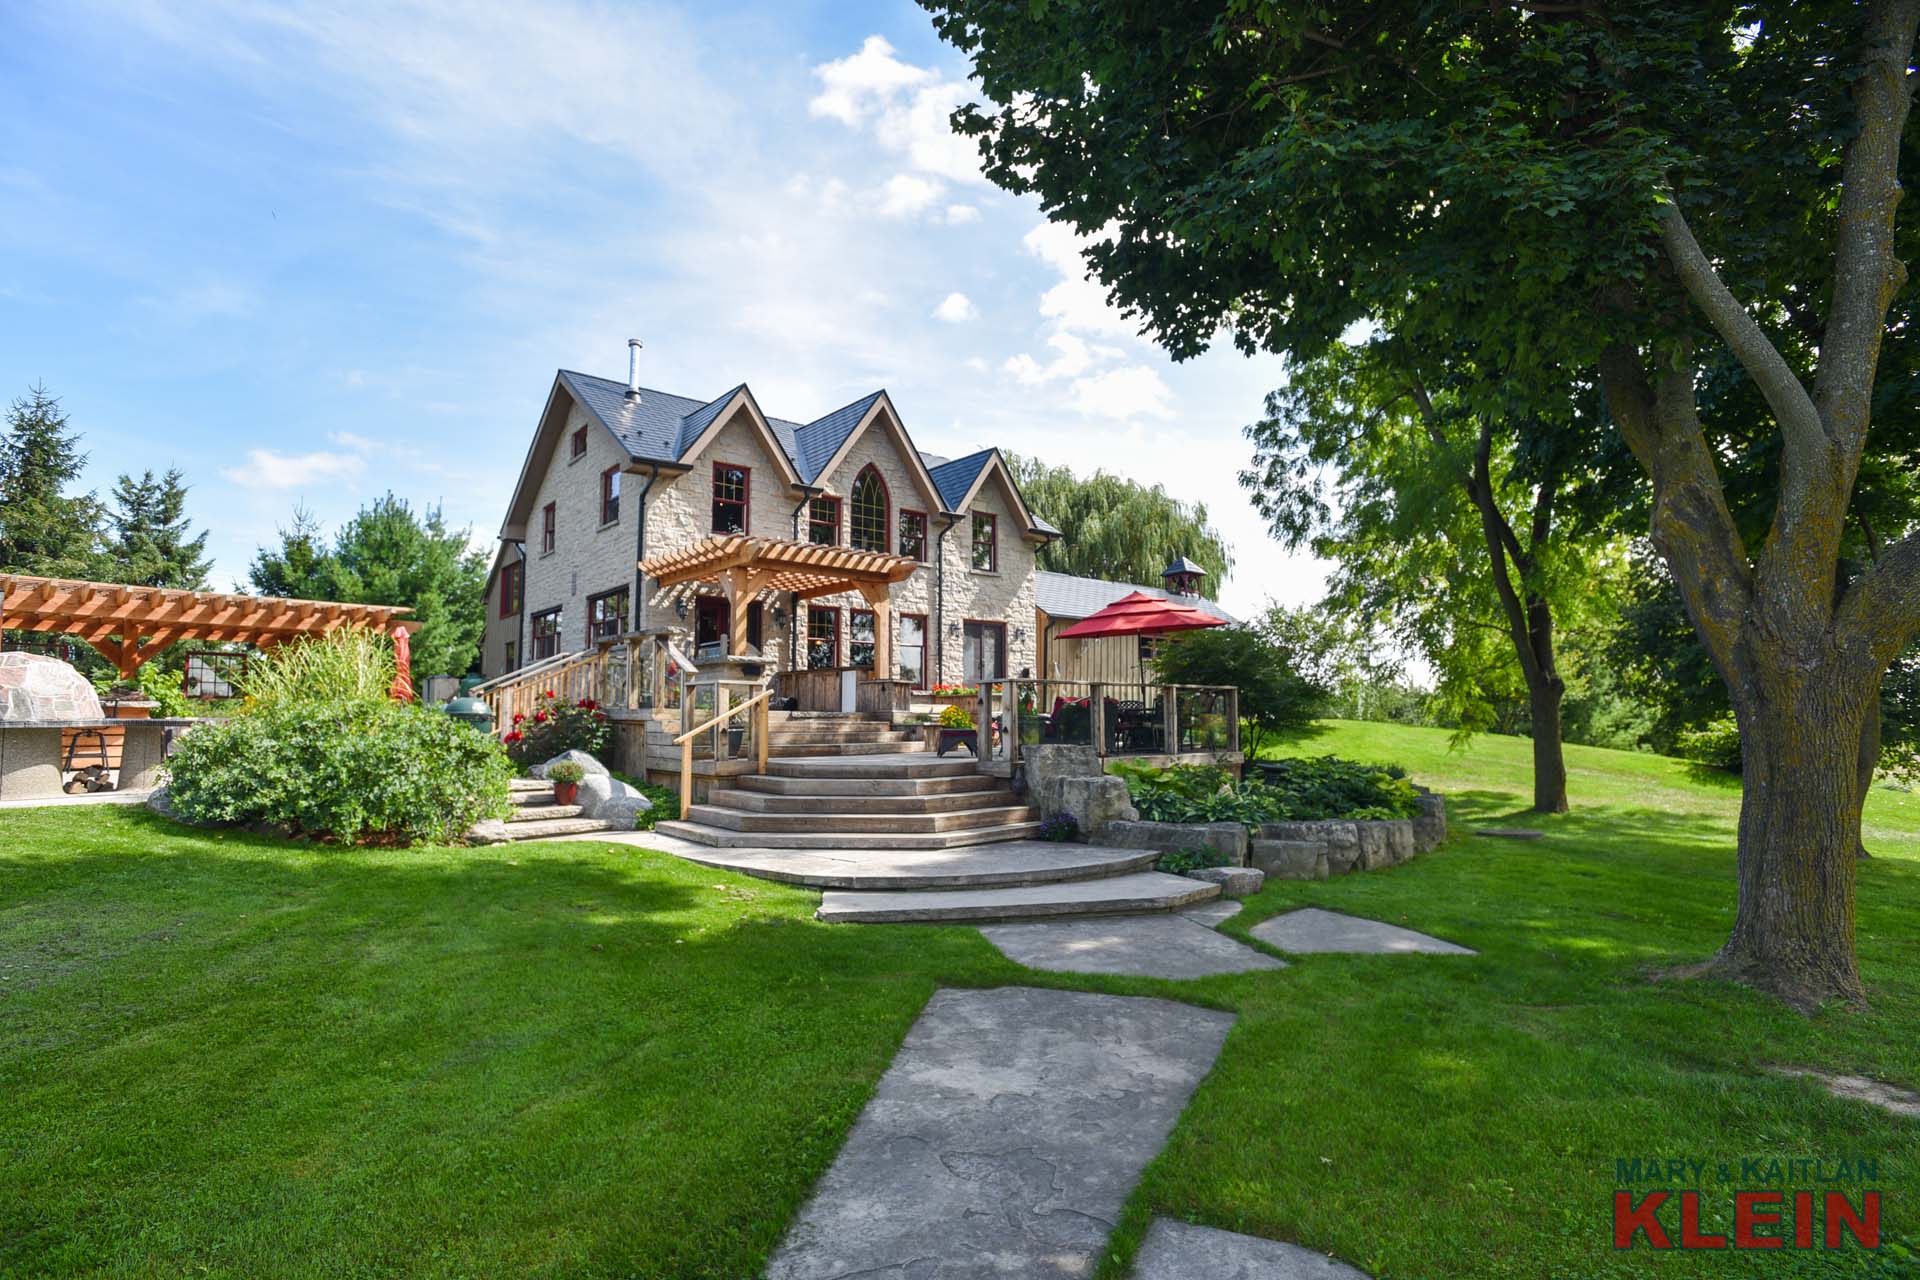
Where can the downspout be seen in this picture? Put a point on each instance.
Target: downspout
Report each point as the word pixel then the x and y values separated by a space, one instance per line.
pixel 520 614
pixel 640 550
pixel 940 602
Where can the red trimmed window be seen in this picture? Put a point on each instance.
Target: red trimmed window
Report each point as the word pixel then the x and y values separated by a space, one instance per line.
pixel 823 521
pixel 911 652
pixel 513 579
pixel 607 614
pixel 867 525
pixel 609 495
pixel 860 639
pixel 913 534
pixel 823 637
pixel 549 528
pixel 730 489
pixel 579 443
pixel 546 634
pixel 986 542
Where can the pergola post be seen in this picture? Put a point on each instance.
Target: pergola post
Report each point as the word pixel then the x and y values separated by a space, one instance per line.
pixel 880 597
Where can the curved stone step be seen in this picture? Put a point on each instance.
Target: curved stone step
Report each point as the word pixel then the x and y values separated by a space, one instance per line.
pixel 845 748
pixel 896 765
pixel 720 838
pixel 862 823
pixel 964 783
pixel 861 797
pixel 1140 891
pixel 547 812
pixel 1020 862
pixel 547 828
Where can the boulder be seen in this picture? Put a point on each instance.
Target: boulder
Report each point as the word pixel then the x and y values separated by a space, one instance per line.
pixel 611 800
pixel 161 803
pixel 1400 842
pixel 1234 882
pixel 1383 842
pixel 36 687
pixel 489 831
pixel 1229 839
pixel 1290 859
pixel 1430 825
pixel 1095 803
pixel 1047 764
pixel 587 763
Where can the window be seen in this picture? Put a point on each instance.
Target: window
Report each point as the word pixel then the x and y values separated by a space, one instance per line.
pixel 730 487
pixel 860 642
pixel 609 495
pixel 579 444
pixel 513 580
pixel 983 653
pixel 867 528
pixel 986 543
pixel 512 662
pixel 607 615
pixel 823 521
pixel 549 523
pixel 823 637
pixel 911 652
pixel 546 634
pixel 913 534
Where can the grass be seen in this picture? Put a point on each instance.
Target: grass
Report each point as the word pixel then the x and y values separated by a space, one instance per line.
pixel 225 1056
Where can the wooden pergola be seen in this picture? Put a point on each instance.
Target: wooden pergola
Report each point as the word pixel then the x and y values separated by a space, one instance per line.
pixel 746 566
pixel 130 624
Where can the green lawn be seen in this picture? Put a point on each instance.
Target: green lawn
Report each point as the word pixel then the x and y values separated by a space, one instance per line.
pixel 225 1056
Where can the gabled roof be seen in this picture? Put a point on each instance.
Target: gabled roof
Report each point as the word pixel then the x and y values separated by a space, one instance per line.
pixel 654 425
pixel 955 479
pixel 817 442
pixel 1062 595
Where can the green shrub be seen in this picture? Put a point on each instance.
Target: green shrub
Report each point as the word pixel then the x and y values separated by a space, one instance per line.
pixel 1329 787
pixel 1298 790
pixel 1715 744
pixel 371 771
pixel 956 718
pixel 155 683
pixel 556 726
pixel 666 803
pixel 351 664
pixel 1181 861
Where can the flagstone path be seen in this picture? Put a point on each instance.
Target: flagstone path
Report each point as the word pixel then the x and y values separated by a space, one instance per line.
pixel 1311 929
pixel 1004 1138
pixel 1165 946
pixel 1180 1251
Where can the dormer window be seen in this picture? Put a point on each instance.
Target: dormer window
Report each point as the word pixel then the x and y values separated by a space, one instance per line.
pixel 986 543
pixel 867 528
pixel 730 497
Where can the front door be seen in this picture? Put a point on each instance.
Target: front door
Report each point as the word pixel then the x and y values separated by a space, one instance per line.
pixel 710 622
pixel 984 652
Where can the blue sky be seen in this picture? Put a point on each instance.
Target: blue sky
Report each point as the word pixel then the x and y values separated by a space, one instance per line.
pixel 308 253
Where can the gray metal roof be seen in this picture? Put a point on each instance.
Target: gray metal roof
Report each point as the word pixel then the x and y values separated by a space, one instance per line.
pixel 953 479
pixel 1062 595
pixel 654 425
pixel 819 440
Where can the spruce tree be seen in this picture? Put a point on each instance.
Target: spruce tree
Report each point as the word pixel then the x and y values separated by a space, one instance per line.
pixel 43 530
pixel 152 544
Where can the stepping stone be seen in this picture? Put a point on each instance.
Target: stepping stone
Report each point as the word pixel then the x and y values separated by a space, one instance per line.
pixel 1137 946
pixel 1211 913
pixel 1311 929
pixel 1005 1137
pixel 1180 1251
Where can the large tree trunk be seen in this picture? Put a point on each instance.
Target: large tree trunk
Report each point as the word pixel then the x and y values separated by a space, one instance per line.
pixel 1799 836
pixel 1869 760
pixel 1549 756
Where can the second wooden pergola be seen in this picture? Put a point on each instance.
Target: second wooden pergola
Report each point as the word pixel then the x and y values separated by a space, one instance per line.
pixel 746 566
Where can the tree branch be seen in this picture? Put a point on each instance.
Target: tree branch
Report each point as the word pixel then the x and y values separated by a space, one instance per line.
pixel 1884 602
pixel 1498 534
pixel 1867 273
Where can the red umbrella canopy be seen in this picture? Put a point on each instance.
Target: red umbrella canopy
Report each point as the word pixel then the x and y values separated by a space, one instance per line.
pixel 1141 615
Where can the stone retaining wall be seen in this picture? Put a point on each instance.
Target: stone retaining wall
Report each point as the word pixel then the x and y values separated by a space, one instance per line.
pixel 1333 847
pixel 1228 839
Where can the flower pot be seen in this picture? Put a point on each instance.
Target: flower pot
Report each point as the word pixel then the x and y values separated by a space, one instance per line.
pixel 565 792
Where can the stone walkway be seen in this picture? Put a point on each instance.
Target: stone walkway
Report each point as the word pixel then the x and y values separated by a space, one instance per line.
pixel 1004 1139
pixel 1180 1251
pixel 1164 946
pixel 1311 929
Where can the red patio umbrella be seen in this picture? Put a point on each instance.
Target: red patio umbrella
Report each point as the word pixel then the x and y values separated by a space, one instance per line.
pixel 402 687
pixel 1140 615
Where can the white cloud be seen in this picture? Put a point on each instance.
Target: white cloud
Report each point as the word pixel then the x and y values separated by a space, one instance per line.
pixel 958 214
pixel 907 107
pixel 956 308
pixel 265 469
pixel 1077 302
pixel 905 195
pixel 1127 392
pixel 861 84
pixel 1074 357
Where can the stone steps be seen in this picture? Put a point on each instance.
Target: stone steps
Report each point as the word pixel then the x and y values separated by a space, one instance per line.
pixel 1017 863
pixel 870 787
pixel 817 802
pixel 982 819
pixel 816 750
pixel 547 828
pixel 719 837
pixel 547 812
pixel 899 765
pixel 1133 893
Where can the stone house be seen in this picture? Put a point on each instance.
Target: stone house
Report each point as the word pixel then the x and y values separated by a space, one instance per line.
pixel 617 473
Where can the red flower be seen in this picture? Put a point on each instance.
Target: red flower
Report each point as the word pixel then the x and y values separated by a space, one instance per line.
pixel 549 694
pixel 539 717
pixel 515 736
pixel 599 715
pixel 518 716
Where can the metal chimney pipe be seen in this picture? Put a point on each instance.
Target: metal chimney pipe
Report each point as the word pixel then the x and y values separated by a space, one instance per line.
pixel 633 367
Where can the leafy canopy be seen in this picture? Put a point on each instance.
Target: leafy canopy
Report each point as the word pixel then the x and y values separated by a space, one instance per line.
pixel 1117 529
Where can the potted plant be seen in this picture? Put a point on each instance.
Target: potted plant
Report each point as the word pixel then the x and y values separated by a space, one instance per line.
pixel 565 778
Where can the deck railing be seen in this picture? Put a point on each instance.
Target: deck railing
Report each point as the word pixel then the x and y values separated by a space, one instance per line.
pixel 642 669
pixel 1131 719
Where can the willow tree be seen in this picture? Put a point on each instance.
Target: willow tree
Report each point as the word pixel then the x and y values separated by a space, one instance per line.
pixel 1631 187
pixel 1116 528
